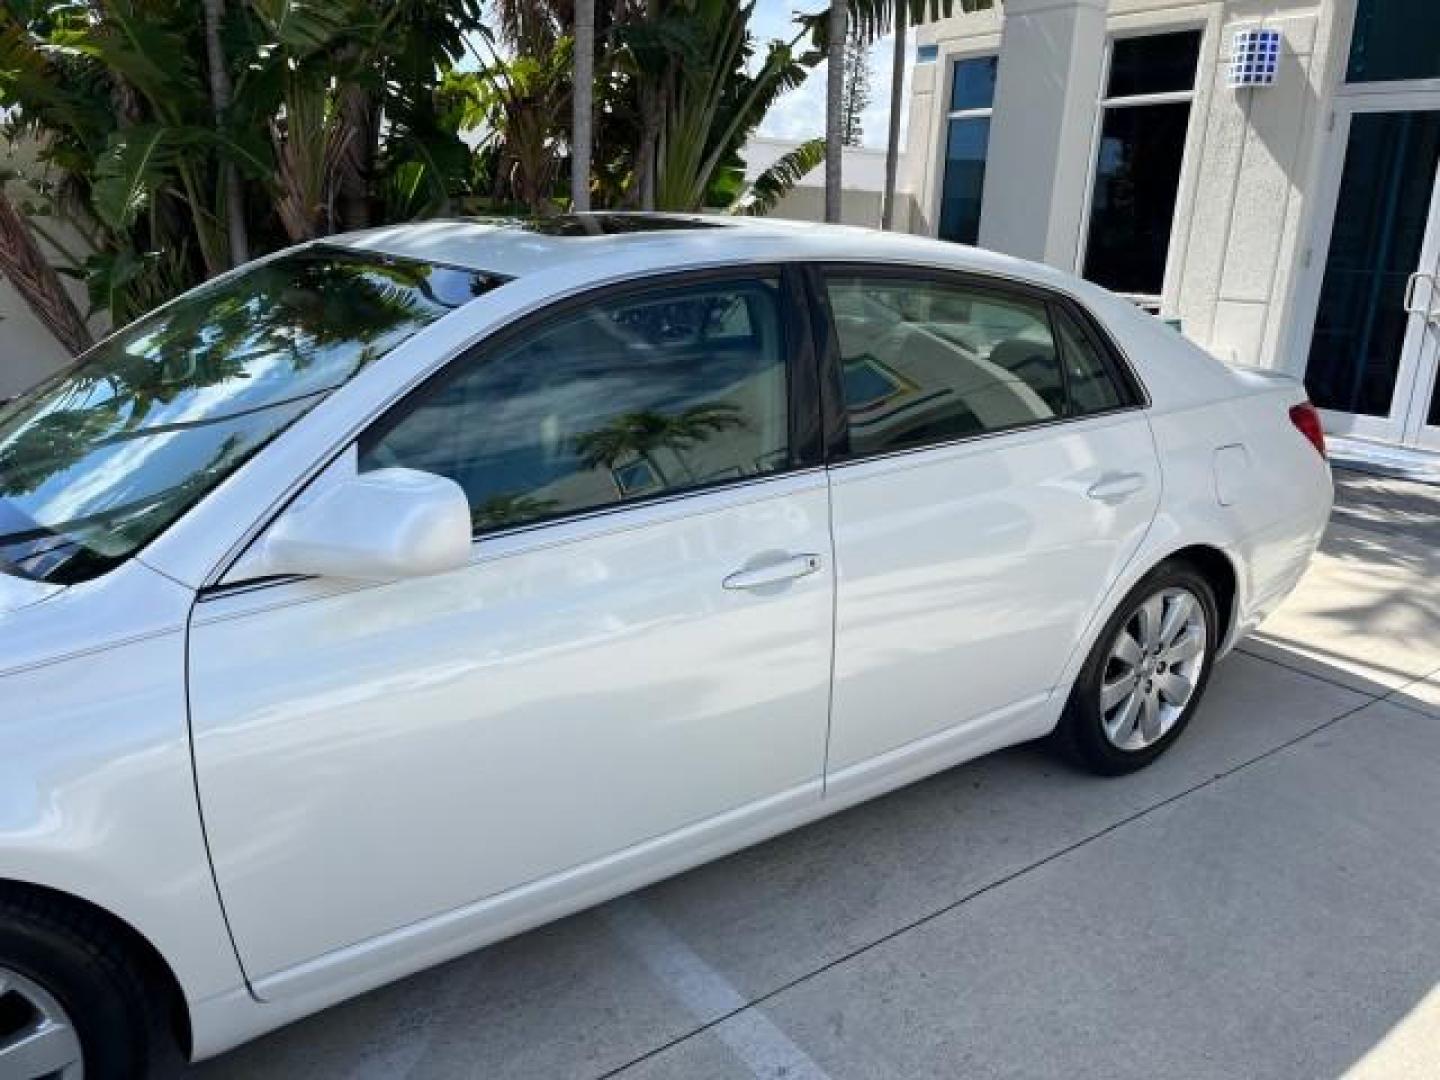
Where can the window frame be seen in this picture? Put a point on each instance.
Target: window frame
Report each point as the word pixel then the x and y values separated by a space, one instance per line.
pixel 803 421
pixel 1132 392
pixel 953 61
pixel 1149 301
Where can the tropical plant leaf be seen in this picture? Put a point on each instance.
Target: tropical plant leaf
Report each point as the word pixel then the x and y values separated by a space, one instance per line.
pixel 772 185
pixel 301 27
pixel 26 79
pixel 245 147
pixel 876 18
pixel 133 167
pixel 151 57
pixel 424 156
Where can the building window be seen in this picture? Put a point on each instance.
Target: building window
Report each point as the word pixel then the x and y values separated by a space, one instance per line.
pixel 1395 39
pixel 972 98
pixel 1144 117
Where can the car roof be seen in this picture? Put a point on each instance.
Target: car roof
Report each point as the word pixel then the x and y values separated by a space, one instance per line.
pixel 650 242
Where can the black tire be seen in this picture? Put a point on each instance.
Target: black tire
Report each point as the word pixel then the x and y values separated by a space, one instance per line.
pixel 1081 732
pixel 121 1015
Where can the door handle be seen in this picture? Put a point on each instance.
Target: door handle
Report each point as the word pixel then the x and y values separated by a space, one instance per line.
pixel 775 573
pixel 1114 488
pixel 1409 302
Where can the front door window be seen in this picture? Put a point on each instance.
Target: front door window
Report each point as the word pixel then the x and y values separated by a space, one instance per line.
pixel 621 399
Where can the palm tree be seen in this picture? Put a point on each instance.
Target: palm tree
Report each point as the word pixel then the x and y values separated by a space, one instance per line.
pixel 708 97
pixel 510 508
pixel 640 434
pixel 834 102
pixel 874 19
pixel 221 93
pixel 30 272
pixel 582 95
pixel 892 138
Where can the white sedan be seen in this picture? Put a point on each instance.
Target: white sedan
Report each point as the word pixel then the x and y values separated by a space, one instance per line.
pixel 399 592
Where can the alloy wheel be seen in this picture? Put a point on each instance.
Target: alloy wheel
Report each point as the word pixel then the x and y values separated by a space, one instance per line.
pixel 37 1037
pixel 1153 669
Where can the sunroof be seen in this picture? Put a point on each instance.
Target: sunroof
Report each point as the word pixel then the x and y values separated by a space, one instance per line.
pixel 609 224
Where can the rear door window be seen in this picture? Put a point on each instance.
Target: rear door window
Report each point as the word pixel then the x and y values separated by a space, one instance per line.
pixel 926 361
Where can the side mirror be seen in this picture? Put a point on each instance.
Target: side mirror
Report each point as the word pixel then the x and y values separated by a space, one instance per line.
pixel 375 526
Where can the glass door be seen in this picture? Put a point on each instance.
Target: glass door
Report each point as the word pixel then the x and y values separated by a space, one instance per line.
pixel 1376 338
pixel 1376 343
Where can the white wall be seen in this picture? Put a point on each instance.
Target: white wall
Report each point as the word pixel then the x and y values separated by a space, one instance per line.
pixel 1240 247
pixel 862 172
pixel 28 352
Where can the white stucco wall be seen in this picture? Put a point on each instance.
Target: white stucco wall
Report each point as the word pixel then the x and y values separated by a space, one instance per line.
pixel 1245 208
pixel 862 171
pixel 28 352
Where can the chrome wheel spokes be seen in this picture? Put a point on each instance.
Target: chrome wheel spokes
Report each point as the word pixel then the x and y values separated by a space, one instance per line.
pixel 38 1039
pixel 1153 668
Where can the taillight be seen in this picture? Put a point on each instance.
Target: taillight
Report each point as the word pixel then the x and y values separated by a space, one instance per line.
pixel 1306 419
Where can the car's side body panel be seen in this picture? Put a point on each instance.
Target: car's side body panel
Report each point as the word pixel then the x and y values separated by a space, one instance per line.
pixel 369 757
pixel 97 794
pixel 965 573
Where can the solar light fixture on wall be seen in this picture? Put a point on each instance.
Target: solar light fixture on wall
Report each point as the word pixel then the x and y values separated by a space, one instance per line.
pixel 1254 58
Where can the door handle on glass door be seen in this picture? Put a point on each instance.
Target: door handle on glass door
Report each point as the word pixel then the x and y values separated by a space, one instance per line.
pixel 1409 301
pixel 1113 488
pixel 775 573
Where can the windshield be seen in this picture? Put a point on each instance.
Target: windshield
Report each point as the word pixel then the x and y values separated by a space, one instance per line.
pixel 100 460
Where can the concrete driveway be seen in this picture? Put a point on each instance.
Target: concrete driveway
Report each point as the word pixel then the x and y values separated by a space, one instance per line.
pixel 1263 902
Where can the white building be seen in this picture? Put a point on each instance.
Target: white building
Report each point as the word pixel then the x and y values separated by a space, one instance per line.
pixel 1275 192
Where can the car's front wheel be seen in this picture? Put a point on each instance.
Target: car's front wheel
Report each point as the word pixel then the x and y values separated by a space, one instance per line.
pixel 1146 673
pixel 73 1001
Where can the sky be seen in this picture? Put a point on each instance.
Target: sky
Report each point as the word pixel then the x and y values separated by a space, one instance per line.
pixel 800 114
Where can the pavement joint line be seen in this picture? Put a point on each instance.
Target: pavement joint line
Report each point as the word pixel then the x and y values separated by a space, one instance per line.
pixel 1410 707
pixel 1392 699
pixel 755 1039
pixel 999 882
pixel 1243 651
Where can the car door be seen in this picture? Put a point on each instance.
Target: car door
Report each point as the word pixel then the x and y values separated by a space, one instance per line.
pixel 640 645
pixel 991 476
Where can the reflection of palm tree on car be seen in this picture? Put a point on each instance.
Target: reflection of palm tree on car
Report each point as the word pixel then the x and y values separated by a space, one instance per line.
pixel 290 311
pixel 509 508
pixel 641 434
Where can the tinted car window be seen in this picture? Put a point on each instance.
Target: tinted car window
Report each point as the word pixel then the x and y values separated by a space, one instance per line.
pixel 1088 379
pixel 621 399
pixel 99 460
pixel 925 362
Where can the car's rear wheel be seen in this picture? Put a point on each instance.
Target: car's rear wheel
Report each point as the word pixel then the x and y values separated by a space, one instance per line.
pixel 74 1004
pixel 1146 673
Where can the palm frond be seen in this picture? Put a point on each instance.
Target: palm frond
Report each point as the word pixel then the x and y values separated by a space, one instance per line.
pixel 873 19
pixel 133 168
pixel 302 27
pixel 772 185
